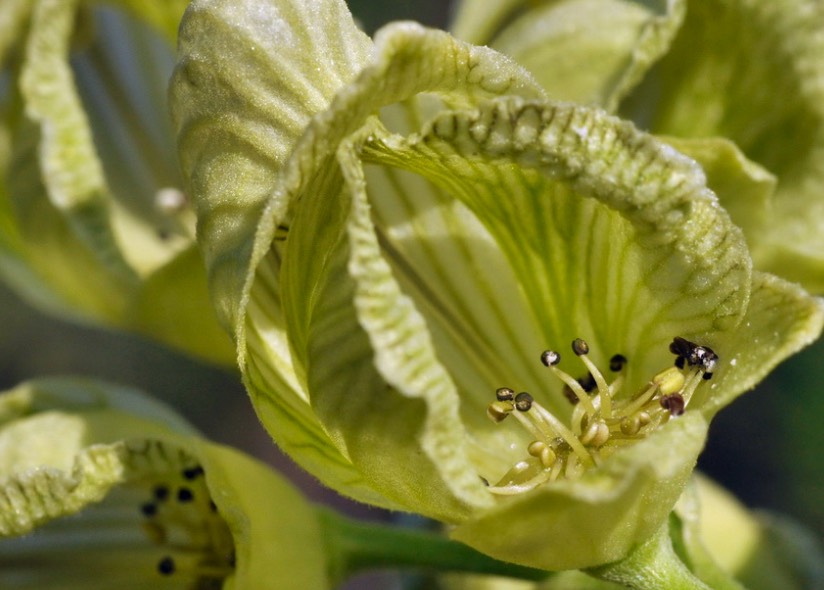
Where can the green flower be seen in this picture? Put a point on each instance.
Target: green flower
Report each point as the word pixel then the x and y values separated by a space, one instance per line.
pixel 93 224
pixel 153 504
pixel 397 229
pixel 735 84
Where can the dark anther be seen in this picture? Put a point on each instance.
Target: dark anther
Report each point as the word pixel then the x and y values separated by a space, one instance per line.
pixel 617 362
pixel 212 506
pixel 191 473
pixel 560 446
pixel 707 376
pixel 148 509
pixel 160 493
pixel 166 566
pixel 693 354
pixel 587 383
pixel 484 480
pixel 504 394
pixel 550 358
pixel 673 403
pixel 570 395
pixel 681 347
pixel 580 347
pixel 185 495
pixel 523 402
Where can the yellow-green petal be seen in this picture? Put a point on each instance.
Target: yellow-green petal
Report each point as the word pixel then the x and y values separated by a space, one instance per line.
pixel 586 51
pixel 757 81
pixel 600 517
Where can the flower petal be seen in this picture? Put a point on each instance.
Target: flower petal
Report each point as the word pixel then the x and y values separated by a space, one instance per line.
pixel 449 67
pixel 781 319
pixel 744 188
pixel 246 86
pixel 590 51
pixel 599 517
pixel 661 259
pixel 758 82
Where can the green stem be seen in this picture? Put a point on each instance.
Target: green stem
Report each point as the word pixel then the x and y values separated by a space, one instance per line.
pixel 651 566
pixel 356 546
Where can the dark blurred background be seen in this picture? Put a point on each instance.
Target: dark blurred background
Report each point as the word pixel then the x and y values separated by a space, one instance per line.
pixel 766 447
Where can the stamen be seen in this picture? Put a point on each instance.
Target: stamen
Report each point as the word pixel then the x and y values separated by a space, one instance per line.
pixel 550 358
pixel 523 402
pixel 505 394
pixel 617 363
pixel 581 348
pixel 673 403
pixel 182 518
pixel 599 424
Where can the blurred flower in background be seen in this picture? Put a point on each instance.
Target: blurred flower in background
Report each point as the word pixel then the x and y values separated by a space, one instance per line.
pixel 100 486
pixel 95 226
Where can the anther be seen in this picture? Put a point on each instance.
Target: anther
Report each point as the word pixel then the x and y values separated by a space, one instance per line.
pixel 693 354
pixel 550 358
pixel 580 347
pixel 498 411
pixel 166 566
pixel 504 394
pixel 185 495
pixel 540 450
pixel 569 394
pixel 160 493
pixel 192 472
pixel 669 381
pixel 523 402
pixel 148 509
pixel 588 383
pixel 597 434
pixel 673 403
pixel 617 363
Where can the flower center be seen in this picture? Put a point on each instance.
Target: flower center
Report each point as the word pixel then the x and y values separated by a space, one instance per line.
pixel 600 423
pixel 182 518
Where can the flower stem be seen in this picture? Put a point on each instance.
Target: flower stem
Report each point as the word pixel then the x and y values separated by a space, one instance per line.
pixel 651 566
pixel 356 546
